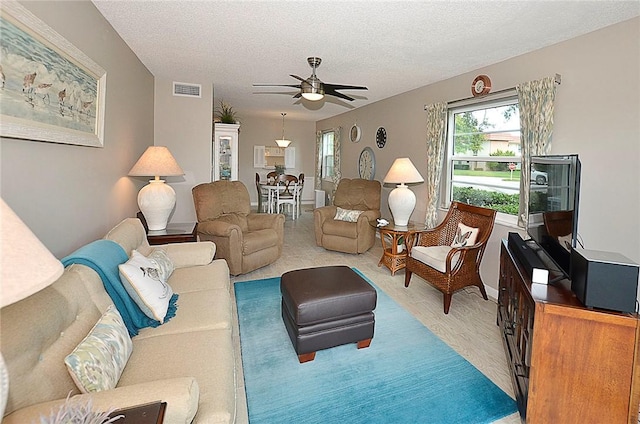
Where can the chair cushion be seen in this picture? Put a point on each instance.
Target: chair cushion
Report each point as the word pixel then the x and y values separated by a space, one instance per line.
pixel 465 236
pixel 434 256
pixel 255 241
pixel 346 229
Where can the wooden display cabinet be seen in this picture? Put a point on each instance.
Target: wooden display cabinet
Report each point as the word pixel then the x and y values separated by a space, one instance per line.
pixel 568 364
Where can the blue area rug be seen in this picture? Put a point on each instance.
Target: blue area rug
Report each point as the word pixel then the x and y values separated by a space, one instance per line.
pixel 407 375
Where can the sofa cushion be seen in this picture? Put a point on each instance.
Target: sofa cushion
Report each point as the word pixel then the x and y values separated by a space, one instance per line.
pixel 197 278
pixel 201 310
pixel 255 241
pixel 207 356
pixel 141 278
pixel 97 362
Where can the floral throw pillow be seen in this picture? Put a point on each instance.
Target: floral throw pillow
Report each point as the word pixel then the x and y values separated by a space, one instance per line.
pixel 465 236
pixel 165 267
pixel 347 215
pixel 98 361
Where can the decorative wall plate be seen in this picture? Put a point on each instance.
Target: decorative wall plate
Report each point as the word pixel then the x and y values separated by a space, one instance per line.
pixel 481 86
pixel 381 137
pixel 355 133
pixel 367 164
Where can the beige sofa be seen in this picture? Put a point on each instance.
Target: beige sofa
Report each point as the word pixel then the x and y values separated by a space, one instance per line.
pixel 189 361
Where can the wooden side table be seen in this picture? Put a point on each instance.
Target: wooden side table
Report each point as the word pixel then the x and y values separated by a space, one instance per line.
pixel 151 413
pixel 174 233
pixel 394 251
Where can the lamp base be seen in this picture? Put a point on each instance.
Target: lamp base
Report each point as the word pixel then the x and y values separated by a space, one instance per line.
pixel 402 201
pixel 156 201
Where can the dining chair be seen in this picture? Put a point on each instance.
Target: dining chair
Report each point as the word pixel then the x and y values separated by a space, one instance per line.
pixel 289 194
pixel 272 177
pixel 301 185
pixel 263 195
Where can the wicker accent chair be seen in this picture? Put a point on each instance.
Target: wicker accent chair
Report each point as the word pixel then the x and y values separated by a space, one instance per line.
pixel 448 268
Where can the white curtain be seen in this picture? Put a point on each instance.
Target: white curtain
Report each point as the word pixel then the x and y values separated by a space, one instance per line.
pixel 536 100
pixel 436 124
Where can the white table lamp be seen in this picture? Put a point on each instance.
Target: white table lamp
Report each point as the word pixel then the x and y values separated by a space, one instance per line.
pixel 157 199
pixel 27 267
pixel 402 201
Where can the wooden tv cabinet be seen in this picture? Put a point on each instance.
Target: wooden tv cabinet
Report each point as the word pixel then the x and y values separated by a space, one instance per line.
pixel 568 363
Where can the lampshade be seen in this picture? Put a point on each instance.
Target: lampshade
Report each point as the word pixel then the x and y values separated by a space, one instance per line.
pixel 403 171
pixel 157 199
pixel 156 161
pixel 283 142
pixel 402 201
pixel 27 265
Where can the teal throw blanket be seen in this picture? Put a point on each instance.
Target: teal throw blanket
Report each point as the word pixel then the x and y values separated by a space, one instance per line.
pixel 104 256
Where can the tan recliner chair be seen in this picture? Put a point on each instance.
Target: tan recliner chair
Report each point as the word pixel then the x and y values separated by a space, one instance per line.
pixel 344 236
pixel 246 240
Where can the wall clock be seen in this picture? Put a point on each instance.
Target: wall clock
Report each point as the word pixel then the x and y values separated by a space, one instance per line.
pixel 481 86
pixel 355 133
pixel 367 164
pixel 381 137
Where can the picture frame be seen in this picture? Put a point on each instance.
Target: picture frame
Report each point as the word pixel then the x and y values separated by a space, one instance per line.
pixel 49 90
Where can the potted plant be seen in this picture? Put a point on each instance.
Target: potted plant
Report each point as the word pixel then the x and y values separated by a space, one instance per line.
pixel 225 114
pixel 280 169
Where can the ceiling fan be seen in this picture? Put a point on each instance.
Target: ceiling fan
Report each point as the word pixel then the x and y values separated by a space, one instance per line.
pixel 313 89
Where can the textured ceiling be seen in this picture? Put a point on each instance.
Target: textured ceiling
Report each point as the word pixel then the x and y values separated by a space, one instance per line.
pixel 389 46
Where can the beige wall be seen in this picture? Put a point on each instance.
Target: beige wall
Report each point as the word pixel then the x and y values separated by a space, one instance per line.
pixel 596 116
pixel 184 125
pixel 70 195
pixel 259 131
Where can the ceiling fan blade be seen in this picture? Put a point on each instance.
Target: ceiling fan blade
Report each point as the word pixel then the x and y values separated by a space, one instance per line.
pixel 297 77
pixel 297 96
pixel 338 94
pixel 277 85
pixel 344 87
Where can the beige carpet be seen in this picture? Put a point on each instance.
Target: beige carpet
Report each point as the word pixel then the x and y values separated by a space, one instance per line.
pixel 469 328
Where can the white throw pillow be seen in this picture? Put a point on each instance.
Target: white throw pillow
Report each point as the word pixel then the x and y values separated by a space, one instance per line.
pixel 141 277
pixel 465 236
pixel 98 361
pixel 347 215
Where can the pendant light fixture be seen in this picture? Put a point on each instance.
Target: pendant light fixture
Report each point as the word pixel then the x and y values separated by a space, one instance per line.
pixel 283 142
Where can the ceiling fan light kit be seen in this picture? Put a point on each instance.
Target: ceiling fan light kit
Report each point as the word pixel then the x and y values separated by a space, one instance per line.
pixel 313 89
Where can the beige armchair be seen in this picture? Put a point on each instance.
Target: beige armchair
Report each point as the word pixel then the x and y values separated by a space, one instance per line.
pixel 246 240
pixel 342 235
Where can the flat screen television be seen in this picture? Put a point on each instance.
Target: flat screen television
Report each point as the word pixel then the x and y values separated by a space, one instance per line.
pixel 552 222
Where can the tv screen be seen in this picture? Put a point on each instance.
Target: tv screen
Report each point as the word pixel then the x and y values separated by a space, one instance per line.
pixel 553 208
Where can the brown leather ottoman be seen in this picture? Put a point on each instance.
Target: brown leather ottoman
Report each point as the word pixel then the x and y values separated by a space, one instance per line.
pixel 326 307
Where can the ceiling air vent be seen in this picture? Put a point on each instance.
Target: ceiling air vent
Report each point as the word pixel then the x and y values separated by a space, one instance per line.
pixel 186 90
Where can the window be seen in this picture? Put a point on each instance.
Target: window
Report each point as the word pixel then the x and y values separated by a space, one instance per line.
pixel 328 138
pixel 484 156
